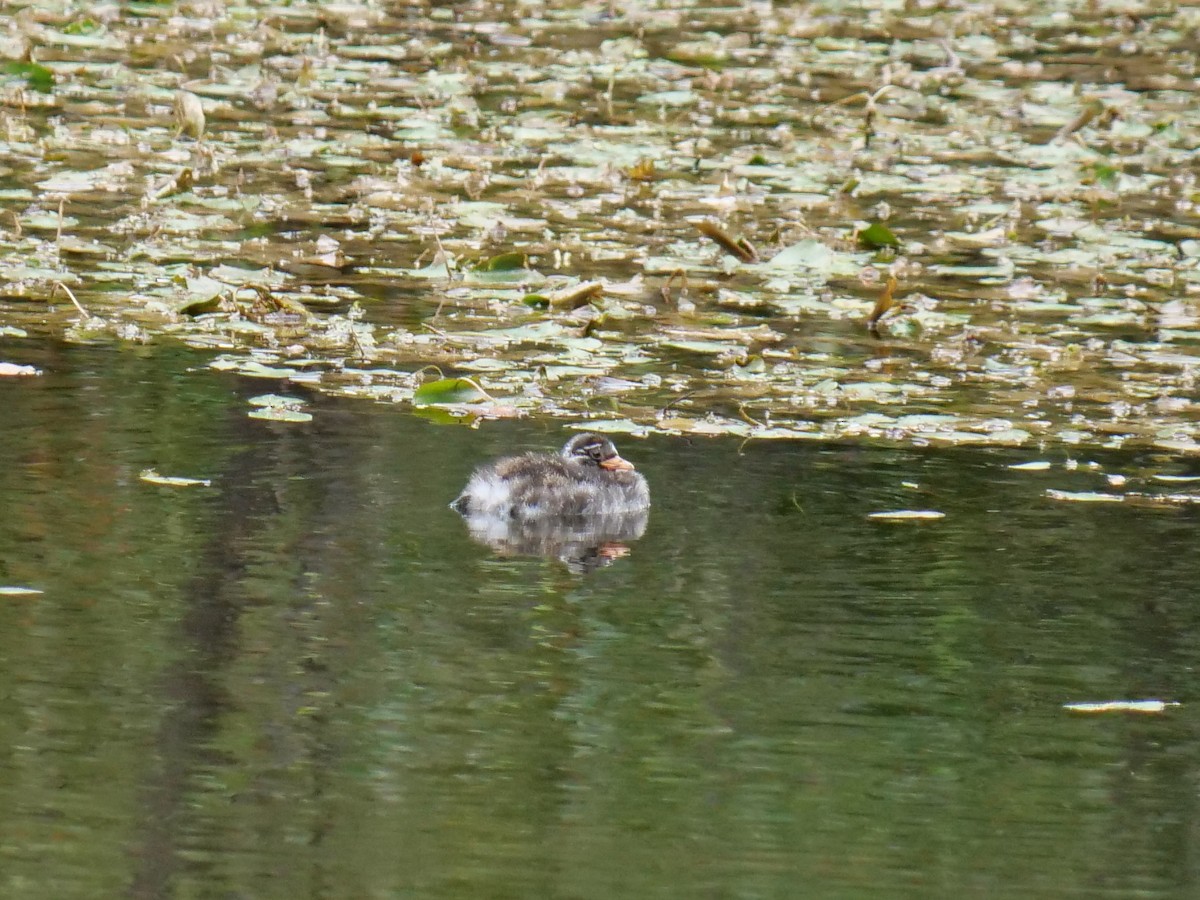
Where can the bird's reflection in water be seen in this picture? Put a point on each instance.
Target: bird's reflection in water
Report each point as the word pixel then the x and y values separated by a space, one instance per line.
pixel 583 543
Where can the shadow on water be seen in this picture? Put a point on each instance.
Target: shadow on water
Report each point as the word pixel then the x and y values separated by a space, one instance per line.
pixel 314 679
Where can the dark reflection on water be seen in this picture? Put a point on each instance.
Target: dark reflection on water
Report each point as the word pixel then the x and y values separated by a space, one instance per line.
pixel 308 681
pixel 583 543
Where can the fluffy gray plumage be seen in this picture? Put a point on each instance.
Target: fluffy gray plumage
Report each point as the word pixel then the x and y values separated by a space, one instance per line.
pixel 588 478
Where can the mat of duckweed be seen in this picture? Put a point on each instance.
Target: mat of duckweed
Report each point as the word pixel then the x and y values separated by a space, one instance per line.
pixel 905 221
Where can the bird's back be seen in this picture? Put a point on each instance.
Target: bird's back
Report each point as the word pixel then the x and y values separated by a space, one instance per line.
pixel 536 484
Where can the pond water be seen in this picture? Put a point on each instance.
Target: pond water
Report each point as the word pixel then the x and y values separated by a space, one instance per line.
pixel 305 680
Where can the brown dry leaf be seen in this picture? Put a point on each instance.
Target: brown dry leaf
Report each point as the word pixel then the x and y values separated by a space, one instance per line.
pixel 739 247
pixel 885 302
pixel 576 295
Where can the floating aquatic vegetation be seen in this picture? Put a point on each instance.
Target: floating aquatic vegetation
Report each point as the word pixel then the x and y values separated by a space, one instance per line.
pixel 1138 706
pixel 151 476
pixel 8 370
pixel 277 408
pixel 37 77
pixel 448 391
pixel 907 515
pixel 740 248
pixel 354 194
pixel 876 236
pixel 1085 496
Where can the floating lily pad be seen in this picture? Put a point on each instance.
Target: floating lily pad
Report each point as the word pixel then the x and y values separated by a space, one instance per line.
pixel 811 255
pixel 36 76
pixel 576 295
pixel 203 295
pixel 432 271
pixel 504 262
pixel 876 236
pixel 447 391
pixel 280 414
pixel 278 408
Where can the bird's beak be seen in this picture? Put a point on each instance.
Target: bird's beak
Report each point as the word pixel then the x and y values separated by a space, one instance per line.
pixel 615 463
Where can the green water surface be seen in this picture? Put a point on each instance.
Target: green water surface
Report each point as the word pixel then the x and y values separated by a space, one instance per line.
pixel 306 681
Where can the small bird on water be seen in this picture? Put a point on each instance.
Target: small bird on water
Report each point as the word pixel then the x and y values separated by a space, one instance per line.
pixel 587 478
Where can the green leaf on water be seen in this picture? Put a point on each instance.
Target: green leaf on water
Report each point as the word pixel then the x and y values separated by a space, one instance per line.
pixel 876 236
pixel 505 262
pixel 537 301
pixel 441 415
pixel 82 26
pixel 1104 174
pixel 448 390
pixel 37 77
